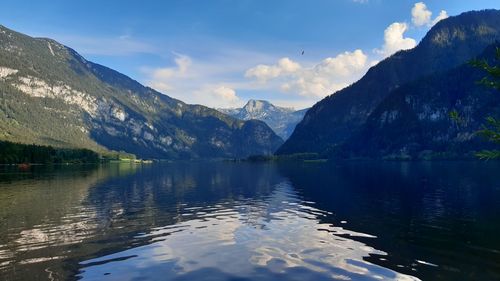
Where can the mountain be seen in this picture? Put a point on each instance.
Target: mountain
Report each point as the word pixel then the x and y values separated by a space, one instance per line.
pixel 53 96
pixel 450 43
pixel 281 119
pixel 414 122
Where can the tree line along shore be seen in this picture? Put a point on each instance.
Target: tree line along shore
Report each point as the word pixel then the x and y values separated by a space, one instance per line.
pixel 17 153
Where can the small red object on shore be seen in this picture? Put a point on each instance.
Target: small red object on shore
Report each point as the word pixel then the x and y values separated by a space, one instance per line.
pixel 24 166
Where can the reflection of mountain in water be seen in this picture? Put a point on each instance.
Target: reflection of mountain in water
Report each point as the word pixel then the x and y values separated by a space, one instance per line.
pixel 50 219
pixel 42 214
pixel 252 221
pixel 271 237
pixel 433 218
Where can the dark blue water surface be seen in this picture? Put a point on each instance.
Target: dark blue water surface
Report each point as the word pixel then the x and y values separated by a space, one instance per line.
pixel 252 221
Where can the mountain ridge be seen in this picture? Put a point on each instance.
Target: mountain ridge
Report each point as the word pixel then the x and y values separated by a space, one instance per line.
pixel 54 96
pixel 414 121
pixel 281 119
pixel 333 120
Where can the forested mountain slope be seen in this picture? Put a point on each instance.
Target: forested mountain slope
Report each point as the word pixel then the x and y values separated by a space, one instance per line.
pixel 51 95
pixel 450 43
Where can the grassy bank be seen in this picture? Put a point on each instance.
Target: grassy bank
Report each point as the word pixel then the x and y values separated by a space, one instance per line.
pixel 17 153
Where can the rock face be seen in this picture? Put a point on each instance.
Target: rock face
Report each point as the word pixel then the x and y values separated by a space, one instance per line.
pixel 51 95
pixel 281 119
pixel 332 122
pixel 414 121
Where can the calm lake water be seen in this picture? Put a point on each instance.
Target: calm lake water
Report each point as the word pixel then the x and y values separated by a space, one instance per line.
pixel 246 221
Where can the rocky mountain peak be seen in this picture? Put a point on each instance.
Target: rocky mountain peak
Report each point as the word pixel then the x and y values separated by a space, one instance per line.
pixel 54 96
pixel 281 119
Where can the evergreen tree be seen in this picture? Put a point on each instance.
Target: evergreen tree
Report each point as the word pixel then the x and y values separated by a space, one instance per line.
pixel 491 130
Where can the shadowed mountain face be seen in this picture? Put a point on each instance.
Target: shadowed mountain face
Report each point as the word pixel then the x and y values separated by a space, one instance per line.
pixel 414 121
pixel 450 43
pixel 281 119
pixel 53 96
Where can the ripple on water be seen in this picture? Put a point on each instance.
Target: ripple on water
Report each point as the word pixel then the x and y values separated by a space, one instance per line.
pixel 281 238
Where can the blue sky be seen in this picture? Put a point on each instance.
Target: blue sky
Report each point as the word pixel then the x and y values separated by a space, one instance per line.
pixel 223 52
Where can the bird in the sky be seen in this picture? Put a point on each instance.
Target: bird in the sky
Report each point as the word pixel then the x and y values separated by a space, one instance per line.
pixel 302 52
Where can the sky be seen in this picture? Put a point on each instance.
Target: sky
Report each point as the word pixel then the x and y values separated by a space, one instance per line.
pixel 221 53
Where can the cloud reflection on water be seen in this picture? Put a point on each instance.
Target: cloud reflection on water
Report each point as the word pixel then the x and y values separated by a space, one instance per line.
pixel 277 235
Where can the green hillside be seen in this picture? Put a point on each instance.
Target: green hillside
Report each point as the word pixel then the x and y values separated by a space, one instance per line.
pixel 50 95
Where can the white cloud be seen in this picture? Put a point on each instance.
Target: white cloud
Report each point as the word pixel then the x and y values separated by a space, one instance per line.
pixel 422 16
pixel 195 82
pixel 160 77
pixel 442 15
pixel 217 96
pixel 182 63
pixel 343 64
pixel 330 75
pixel 394 34
pixel 232 75
pixel 287 65
pixel 227 95
pixel 317 81
pixel 160 86
pixel 265 72
pixel 395 40
pixel 335 73
pixel 286 82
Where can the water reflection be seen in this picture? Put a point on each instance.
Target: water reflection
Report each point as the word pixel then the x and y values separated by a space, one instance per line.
pixel 272 238
pixel 242 221
pixel 436 220
pixel 43 215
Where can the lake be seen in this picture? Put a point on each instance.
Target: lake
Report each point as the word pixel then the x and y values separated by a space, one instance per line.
pixel 252 221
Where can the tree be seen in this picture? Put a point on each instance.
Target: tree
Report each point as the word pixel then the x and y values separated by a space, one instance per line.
pixel 491 130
